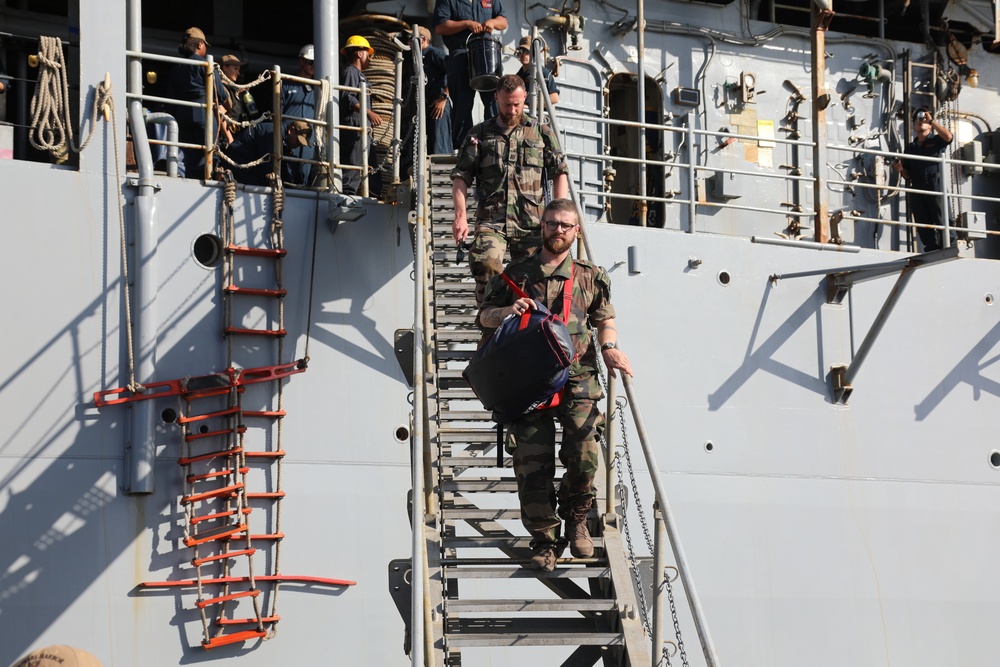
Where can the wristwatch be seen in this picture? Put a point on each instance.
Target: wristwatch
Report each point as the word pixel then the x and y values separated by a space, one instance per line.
pixel 609 346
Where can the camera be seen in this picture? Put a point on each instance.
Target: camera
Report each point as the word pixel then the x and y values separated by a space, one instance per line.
pixel 923 115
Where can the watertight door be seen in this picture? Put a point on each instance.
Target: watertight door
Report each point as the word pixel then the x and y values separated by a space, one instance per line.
pixel 581 94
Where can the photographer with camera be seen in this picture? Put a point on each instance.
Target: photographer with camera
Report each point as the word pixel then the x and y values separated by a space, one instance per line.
pixel 930 138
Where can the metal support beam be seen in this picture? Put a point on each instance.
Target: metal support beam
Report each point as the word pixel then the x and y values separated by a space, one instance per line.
pixel 842 376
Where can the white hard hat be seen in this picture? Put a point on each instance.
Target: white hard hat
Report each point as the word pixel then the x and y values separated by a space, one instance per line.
pixel 307 52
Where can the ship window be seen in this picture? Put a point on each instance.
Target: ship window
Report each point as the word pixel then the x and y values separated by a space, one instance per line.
pixel 995 459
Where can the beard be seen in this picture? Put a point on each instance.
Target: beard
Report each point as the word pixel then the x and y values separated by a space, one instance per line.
pixel 557 245
pixel 510 120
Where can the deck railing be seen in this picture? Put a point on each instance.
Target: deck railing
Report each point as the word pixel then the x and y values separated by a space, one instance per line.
pixel 327 126
pixel 692 171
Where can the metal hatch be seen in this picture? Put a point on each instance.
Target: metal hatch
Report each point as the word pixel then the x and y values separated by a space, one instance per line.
pixel 581 93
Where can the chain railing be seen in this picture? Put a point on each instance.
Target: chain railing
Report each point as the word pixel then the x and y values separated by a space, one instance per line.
pixel 324 126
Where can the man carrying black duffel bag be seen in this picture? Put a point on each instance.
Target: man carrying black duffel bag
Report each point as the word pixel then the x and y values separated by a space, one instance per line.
pixel 543 277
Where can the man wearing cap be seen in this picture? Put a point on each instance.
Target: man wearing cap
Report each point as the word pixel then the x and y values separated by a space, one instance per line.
pixel 527 72
pixel 257 141
pixel 456 20
pixel 298 100
pixel 439 107
pixel 58 656
pixel 187 82
pixel 357 54
pixel 930 139
pixel 242 106
pixel 509 158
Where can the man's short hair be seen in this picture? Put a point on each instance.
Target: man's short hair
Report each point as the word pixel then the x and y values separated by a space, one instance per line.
pixel 509 83
pixel 564 205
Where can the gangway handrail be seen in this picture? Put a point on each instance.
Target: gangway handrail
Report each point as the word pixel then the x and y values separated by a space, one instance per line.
pixel 421 643
pixel 697 612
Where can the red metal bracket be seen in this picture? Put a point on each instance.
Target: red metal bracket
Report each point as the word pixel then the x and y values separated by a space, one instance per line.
pixel 231 377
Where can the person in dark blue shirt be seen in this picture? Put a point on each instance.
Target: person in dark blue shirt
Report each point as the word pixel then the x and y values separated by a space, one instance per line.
pixel 257 141
pixel 357 53
pixel 187 82
pixel 527 72
pixel 456 20
pixel 930 138
pixel 439 106
pixel 298 100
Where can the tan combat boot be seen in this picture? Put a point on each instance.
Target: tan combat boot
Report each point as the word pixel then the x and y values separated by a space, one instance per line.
pixel 580 544
pixel 543 558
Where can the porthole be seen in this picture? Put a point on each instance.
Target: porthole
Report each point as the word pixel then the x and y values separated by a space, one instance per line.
pixel 724 278
pixel 208 250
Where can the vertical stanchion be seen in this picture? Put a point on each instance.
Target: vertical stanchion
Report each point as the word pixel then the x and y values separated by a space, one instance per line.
pixel 363 99
pixel 659 584
pixel 609 440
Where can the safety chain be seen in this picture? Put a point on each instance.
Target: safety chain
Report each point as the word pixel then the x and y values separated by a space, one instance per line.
pixel 622 451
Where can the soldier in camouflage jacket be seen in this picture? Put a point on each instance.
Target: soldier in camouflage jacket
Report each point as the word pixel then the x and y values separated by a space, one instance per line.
pixel 509 157
pixel 532 436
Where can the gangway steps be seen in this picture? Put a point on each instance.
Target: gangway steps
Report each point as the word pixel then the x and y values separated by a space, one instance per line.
pixel 468 476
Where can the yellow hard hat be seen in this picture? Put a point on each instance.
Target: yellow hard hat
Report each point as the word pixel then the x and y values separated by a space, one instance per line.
pixel 357 42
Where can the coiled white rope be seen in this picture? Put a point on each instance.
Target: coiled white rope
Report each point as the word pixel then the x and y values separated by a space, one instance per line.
pixel 51 124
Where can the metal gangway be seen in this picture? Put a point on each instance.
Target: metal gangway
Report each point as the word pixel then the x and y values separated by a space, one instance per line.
pixel 471 589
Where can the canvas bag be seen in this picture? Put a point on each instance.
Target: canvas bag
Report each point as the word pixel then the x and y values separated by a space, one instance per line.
pixel 525 364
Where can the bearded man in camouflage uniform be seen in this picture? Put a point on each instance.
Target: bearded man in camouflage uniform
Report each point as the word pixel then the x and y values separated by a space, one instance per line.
pixel 542 276
pixel 509 157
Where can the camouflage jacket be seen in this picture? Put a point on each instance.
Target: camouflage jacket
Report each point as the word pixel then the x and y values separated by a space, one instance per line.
pixel 510 171
pixel 591 298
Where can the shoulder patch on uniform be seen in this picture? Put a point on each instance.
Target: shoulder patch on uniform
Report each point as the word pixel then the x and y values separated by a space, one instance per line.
pixel 603 277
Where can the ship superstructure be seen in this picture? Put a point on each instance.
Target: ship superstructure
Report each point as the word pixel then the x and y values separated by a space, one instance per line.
pixel 237 427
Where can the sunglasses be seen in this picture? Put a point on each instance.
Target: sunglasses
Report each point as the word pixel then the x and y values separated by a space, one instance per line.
pixel 521 51
pixel 553 225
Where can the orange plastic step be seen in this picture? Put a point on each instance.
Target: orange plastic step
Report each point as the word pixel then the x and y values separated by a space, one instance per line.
pixel 245 621
pixel 223 640
pixel 255 291
pixel 184 461
pixel 252 593
pixel 208 415
pixel 256 252
pixel 277 454
pixel 214 493
pixel 213 534
pixel 235 331
pixel 229 554
pixel 191 437
pixel 267 495
pixel 264 413
pixel 218 473
pixel 219 515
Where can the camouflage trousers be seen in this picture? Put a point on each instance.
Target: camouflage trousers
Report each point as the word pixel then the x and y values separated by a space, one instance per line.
pixel 488 247
pixel 533 439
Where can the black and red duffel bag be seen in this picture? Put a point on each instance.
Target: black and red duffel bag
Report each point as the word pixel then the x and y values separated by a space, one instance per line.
pixel 525 364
